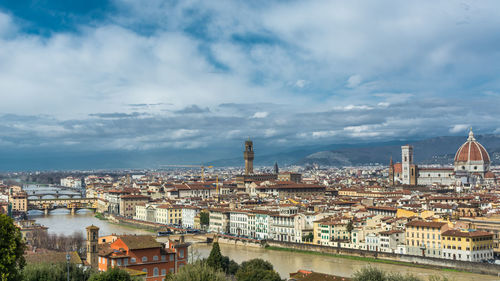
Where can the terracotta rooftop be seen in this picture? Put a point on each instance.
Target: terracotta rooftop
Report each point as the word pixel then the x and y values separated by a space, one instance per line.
pixel 135 242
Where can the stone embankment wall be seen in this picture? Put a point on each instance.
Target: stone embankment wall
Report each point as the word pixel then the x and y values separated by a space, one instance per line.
pixel 481 268
pixel 239 241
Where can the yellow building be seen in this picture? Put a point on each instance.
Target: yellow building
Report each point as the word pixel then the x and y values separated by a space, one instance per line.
pixel 423 238
pixel 169 214
pixel 19 201
pixel 330 229
pixel 472 246
pixel 402 213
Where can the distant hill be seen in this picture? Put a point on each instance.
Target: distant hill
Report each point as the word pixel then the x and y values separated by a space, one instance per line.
pixel 294 155
pixel 439 150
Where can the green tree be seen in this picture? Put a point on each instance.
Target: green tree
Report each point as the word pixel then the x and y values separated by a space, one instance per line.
pixel 114 274
pixel 215 259
pixel 308 238
pixel 375 274
pixel 55 272
pixel 11 250
pixel 257 270
pixel 204 218
pixel 350 228
pixel 199 271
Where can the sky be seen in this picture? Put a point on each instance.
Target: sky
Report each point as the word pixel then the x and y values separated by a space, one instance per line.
pixel 128 76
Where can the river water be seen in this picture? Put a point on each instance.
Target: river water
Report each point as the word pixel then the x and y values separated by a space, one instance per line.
pixel 62 222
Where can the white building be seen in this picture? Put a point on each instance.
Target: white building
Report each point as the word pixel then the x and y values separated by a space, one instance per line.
pixel 188 215
pixel 71 182
pixel 238 223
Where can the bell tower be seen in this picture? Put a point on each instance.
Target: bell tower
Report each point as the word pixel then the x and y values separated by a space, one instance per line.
pixel 92 242
pixel 248 155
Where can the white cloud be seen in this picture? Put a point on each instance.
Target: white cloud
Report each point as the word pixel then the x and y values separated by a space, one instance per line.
pixel 260 114
pixel 323 134
pixel 301 83
pixel 354 81
pixel 459 128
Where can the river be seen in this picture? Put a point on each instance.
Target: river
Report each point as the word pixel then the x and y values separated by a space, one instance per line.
pixel 61 222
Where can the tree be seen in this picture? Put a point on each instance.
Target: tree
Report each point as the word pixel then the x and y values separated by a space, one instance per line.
pixel 349 228
pixel 114 274
pixel 11 250
pixel 199 271
pixel 55 272
pixel 257 270
pixel 204 218
pixel 308 238
pixel 215 259
pixel 374 274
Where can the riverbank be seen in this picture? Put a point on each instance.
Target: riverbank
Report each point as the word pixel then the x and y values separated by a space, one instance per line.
pixel 389 258
pixel 365 259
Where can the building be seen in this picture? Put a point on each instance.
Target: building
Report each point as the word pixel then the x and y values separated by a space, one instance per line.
pixel 129 202
pixel 219 220
pixel 471 166
pixel 144 253
pixel 287 189
pixel 238 223
pixel 390 240
pixel 423 238
pixel 188 215
pixel 31 232
pixel 92 245
pixel 71 182
pixel 19 201
pixel 475 246
pixel 289 176
pixel 169 214
pixel 472 162
pixel 330 229
pixel 248 155
pixel 488 224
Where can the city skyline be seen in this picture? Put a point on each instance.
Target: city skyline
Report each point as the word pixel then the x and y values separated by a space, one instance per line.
pixel 117 76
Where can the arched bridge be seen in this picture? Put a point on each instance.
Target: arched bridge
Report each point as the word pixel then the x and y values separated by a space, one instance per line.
pixel 72 204
pixel 56 195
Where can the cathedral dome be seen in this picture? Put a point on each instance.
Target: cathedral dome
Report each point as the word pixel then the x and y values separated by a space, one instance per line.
pixel 472 151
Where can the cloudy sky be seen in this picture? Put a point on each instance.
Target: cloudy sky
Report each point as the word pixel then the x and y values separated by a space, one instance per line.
pixel 127 75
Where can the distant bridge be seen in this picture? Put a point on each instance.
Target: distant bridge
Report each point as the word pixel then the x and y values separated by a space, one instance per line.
pixel 72 204
pixel 56 195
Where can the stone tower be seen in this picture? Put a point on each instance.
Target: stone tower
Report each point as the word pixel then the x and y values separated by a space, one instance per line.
pixel 409 171
pixel 92 242
pixel 248 156
pixel 391 172
pixel 276 169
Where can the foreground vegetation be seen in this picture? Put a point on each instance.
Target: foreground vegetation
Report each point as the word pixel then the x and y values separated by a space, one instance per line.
pixel 375 274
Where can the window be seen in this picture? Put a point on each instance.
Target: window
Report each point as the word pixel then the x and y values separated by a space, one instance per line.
pixel 163 258
pixel 155 258
pixel 171 257
pixel 132 260
pixel 163 271
pixel 144 259
pixel 145 270
pixel 155 271
pixel 119 262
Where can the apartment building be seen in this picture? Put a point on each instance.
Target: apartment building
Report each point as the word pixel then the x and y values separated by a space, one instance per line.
pixel 423 238
pixel 467 245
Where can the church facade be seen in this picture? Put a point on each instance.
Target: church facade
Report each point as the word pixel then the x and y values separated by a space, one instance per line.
pixel 471 167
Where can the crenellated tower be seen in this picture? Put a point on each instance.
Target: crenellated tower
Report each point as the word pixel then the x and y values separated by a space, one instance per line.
pixel 248 155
